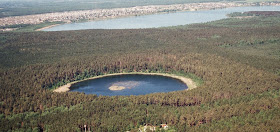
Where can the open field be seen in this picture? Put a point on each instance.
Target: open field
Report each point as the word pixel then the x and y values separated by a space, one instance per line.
pixel 237 59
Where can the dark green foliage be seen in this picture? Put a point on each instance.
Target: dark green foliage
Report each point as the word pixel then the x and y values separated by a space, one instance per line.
pixel 255 13
pixel 15 26
pixel 239 68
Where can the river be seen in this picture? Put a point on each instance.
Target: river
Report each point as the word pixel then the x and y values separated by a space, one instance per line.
pixel 161 20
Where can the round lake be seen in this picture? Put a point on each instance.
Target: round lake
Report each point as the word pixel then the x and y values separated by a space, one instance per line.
pixel 161 20
pixel 132 84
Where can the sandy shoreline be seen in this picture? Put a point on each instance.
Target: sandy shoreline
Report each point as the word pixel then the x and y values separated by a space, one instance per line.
pixel 189 82
pixel 40 29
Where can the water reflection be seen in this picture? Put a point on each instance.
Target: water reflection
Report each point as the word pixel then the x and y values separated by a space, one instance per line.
pixel 133 85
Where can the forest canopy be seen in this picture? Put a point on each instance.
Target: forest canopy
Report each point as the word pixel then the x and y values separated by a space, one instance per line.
pixel 237 59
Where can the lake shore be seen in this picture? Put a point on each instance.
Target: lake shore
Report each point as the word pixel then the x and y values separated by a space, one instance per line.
pixel 189 82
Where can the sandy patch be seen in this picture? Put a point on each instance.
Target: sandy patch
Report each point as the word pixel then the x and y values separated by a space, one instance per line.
pixel 243 17
pixel 40 29
pixel 64 88
pixel 187 81
pixel 123 85
pixel 116 88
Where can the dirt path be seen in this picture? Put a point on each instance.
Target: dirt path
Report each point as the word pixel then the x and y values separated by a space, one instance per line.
pixel 187 81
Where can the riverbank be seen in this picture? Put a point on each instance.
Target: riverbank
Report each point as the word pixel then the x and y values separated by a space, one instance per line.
pixel 189 82
pixel 43 28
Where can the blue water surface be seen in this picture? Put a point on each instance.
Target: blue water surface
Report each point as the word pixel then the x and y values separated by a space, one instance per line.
pixel 141 85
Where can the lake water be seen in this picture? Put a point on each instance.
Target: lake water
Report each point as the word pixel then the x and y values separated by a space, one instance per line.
pixel 161 20
pixel 134 84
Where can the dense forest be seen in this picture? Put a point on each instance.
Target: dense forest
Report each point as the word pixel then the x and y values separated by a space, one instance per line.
pixel 238 60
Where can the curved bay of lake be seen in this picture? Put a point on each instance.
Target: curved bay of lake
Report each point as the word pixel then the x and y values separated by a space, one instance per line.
pixel 133 84
pixel 161 20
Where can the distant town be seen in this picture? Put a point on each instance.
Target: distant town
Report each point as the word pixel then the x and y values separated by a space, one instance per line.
pixel 99 14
